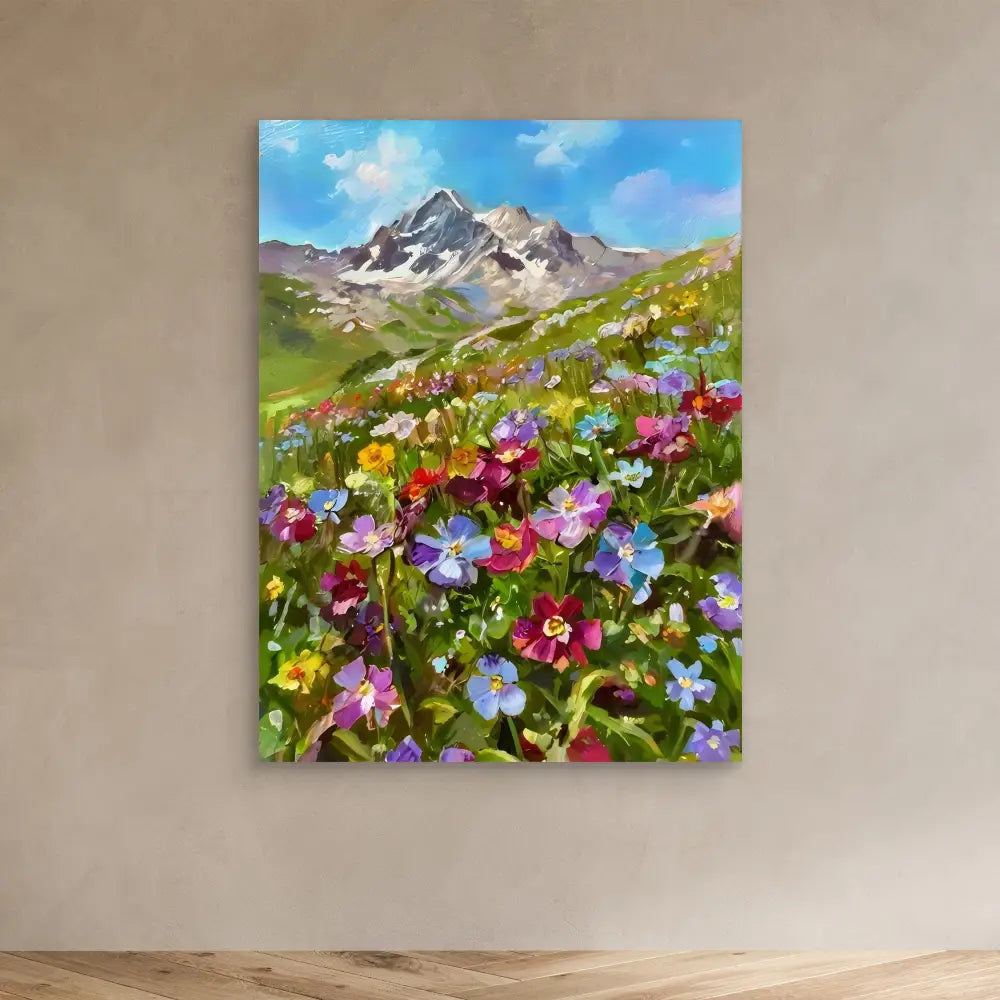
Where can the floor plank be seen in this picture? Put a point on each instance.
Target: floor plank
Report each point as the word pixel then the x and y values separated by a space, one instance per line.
pixel 38 980
pixel 399 968
pixel 327 975
pixel 940 976
pixel 554 963
pixel 662 967
pixel 302 978
pixel 694 976
pixel 777 974
pixel 224 975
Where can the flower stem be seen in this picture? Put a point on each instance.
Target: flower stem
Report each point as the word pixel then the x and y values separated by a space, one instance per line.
pixel 515 738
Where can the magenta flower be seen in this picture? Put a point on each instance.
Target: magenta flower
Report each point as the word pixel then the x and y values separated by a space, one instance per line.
pixel 367 692
pixel 572 514
pixel 367 537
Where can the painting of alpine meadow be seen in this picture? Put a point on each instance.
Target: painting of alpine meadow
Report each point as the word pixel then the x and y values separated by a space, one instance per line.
pixel 500 500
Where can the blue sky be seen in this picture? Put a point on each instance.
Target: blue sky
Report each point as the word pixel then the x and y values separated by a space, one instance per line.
pixel 661 184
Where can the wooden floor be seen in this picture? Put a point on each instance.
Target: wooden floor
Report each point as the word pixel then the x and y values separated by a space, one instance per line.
pixel 501 975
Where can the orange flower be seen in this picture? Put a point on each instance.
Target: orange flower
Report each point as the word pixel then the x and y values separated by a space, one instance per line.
pixel 422 482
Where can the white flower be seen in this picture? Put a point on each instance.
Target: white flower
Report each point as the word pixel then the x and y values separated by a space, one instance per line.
pixel 400 425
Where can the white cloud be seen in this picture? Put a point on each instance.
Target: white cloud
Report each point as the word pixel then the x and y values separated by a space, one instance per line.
pixel 557 138
pixel 279 135
pixel 649 208
pixel 386 176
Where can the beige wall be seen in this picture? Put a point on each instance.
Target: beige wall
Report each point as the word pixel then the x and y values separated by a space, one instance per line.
pixel 133 812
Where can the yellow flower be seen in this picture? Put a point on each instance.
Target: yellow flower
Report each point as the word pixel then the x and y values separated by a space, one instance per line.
pixel 463 460
pixel 274 588
pixel 377 457
pixel 564 407
pixel 355 480
pixel 705 260
pixel 299 673
pixel 301 485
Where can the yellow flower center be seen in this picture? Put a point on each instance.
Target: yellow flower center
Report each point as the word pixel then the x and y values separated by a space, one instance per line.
pixel 508 456
pixel 569 504
pixel 727 602
pixel 714 742
pixel 366 688
pixel 496 682
pixel 508 539
pixel 328 505
pixel 371 538
pixel 685 682
pixel 455 548
pixel 554 626
pixel 626 551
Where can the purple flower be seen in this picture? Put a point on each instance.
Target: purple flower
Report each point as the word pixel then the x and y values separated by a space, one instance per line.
pixel 494 688
pixel 456 755
pixel 687 687
pixel 674 383
pixel 572 514
pixel 523 425
pixel 367 537
pixel 449 560
pixel 629 557
pixel 712 744
pixel 725 610
pixel 408 752
pixel 270 503
pixel 367 691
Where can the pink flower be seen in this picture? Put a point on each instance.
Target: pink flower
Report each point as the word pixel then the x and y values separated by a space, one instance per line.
pixel 572 515
pixel 367 691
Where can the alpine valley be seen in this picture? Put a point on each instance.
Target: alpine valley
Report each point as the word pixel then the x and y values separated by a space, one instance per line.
pixel 440 272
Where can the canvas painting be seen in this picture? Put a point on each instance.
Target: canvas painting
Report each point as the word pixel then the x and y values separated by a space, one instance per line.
pixel 500 499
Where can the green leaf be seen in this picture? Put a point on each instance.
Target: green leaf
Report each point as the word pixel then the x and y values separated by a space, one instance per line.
pixel 491 754
pixel 579 698
pixel 351 744
pixel 628 731
pixel 441 708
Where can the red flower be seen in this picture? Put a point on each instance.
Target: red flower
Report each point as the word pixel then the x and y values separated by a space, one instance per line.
pixel 704 401
pixel 294 522
pixel 512 548
pixel 586 748
pixel 326 407
pixel 423 481
pixel 530 751
pixel 348 587
pixel 555 633
pixel 515 456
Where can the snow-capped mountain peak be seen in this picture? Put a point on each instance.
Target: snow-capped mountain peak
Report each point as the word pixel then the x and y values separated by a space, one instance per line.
pixel 506 254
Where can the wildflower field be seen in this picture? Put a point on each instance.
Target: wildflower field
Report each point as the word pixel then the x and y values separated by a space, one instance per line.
pixel 522 545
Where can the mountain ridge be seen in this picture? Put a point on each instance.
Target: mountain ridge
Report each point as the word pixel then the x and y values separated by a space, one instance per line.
pixel 500 257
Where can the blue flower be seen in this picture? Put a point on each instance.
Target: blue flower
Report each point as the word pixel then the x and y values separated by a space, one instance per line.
pixel 325 504
pixel 494 688
pixel 630 558
pixel 449 560
pixel 687 687
pixel 440 664
pixel 716 347
pixel 708 643
pixel 602 421
pixel 632 474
